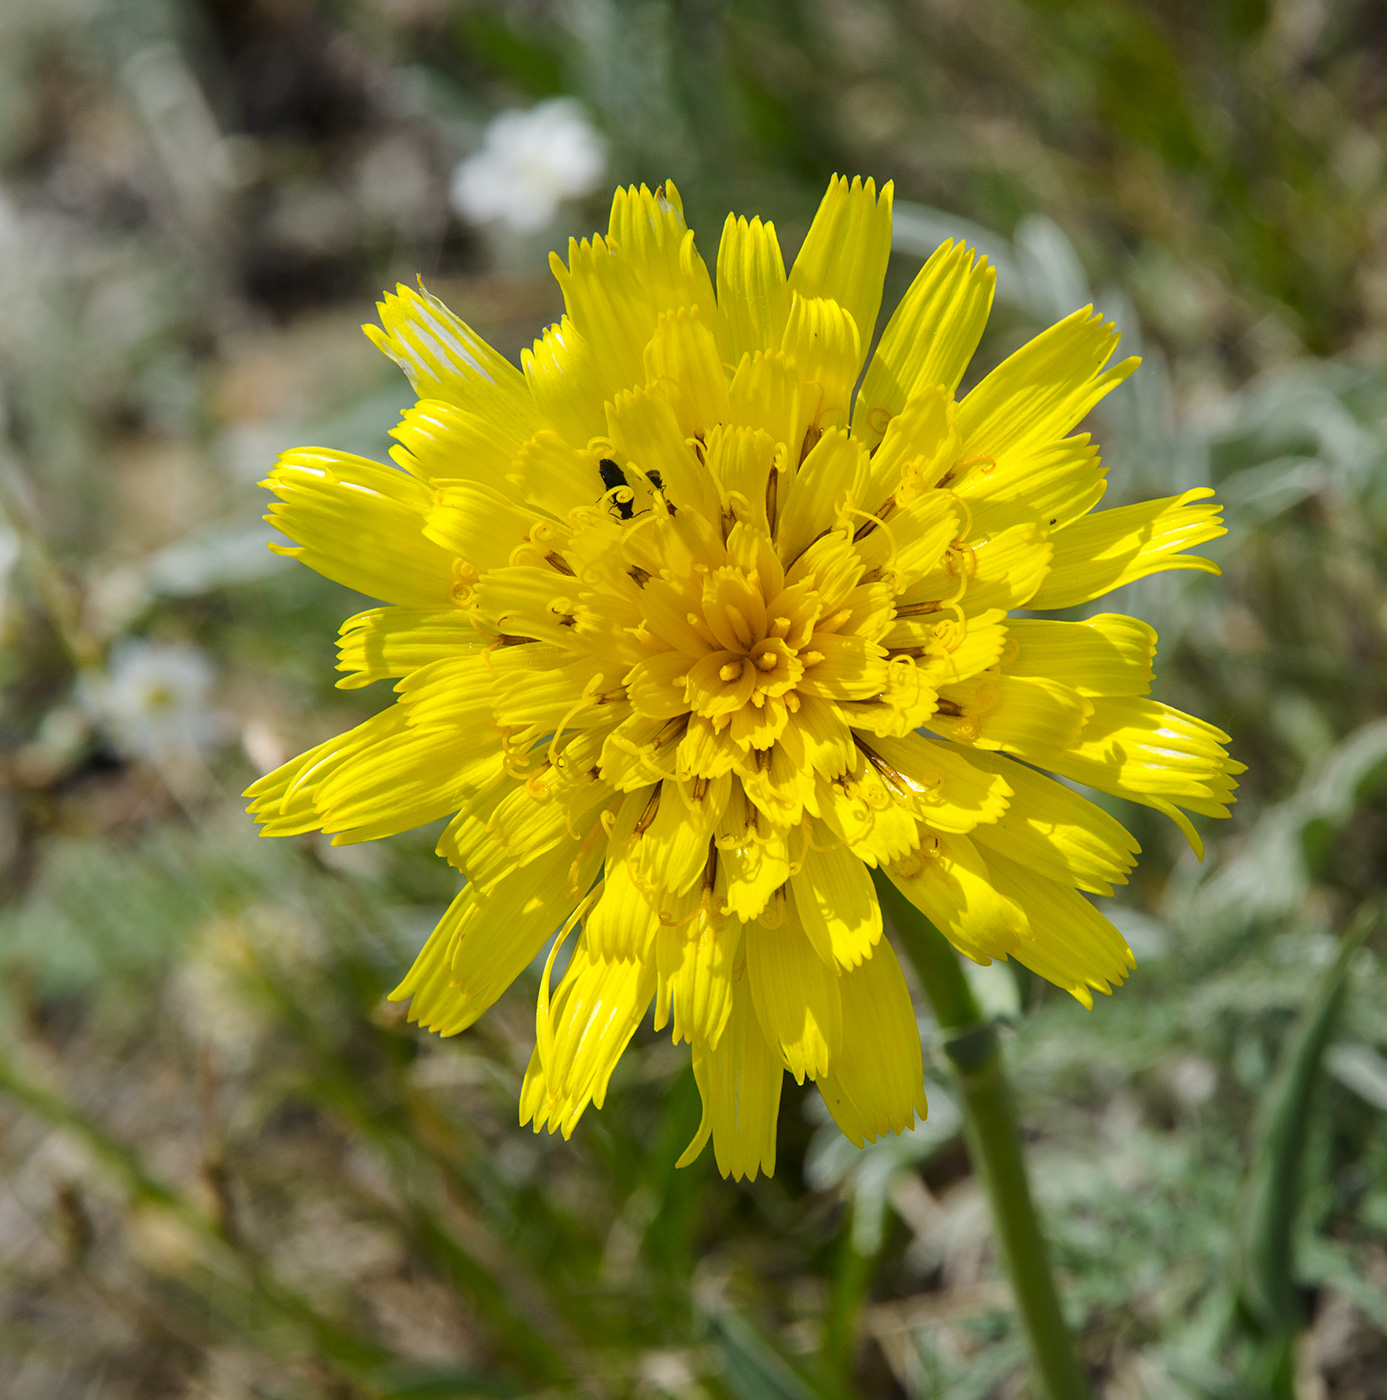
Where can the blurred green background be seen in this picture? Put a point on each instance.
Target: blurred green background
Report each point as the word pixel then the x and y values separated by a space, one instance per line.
pixel 227 1168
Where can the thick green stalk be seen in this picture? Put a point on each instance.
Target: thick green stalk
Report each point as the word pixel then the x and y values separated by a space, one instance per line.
pixel 994 1142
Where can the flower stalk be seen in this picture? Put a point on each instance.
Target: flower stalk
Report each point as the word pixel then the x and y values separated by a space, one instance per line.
pixel 994 1143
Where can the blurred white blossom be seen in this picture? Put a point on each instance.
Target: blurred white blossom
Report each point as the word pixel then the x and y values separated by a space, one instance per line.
pixel 155 701
pixel 529 162
pixel 9 557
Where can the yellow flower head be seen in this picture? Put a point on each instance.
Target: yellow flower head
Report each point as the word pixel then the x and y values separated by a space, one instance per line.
pixel 688 635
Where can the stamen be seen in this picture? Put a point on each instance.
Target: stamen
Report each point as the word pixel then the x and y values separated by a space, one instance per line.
pixel 647 817
pixel 951 708
pixel 673 730
pixel 930 605
pixel 963 465
pixel 731 672
pixel 814 433
pixel 883 513
pixel 640 575
pixel 559 562
pixel 767 661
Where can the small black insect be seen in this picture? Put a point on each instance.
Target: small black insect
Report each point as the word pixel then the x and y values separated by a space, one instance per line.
pixel 656 480
pixel 612 477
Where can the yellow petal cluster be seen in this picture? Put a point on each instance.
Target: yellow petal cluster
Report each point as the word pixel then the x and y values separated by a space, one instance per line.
pixel 686 636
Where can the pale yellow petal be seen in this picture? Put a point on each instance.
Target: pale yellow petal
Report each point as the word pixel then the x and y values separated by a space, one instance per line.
pixel 752 291
pixel 876 1085
pixel 844 254
pixel 930 337
pixel 1114 547
pixel 445 359
pixel 361 525
pixel 740 1080
pixel 796 997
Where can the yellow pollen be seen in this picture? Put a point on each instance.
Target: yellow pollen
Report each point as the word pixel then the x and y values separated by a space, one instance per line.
pixel 732 671
pixel 767 660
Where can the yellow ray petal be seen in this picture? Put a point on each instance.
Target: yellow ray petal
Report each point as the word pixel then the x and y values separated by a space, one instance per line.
pixel 1109 654
pixel 659 245
pixel 919 447
pixel 930 337
pixel 1038 394
pixel 939 784
pixel 752 293
pixel 390 642
pixel 739 1080
pixel 950 883
pixel 823 343
pixel 796 997
pixel 696 964
pixel 876 1085
pixel 836 902
pixel 829 483
pixel 1114 547
pixel 440 440
pixel 478 523
pixel 1049 486
pixel 482 944
pixel 1051 829
pixel 623 922
pixel 607 306
pixel 671 851
pixel 643 425
pixel 554 475
pixel 445 359
pixel 361 525
pixel 1039 720
pixel 681 361
pixel 1067 941
pixel 566 383
pixel 844 254
pixel 765 393
pixel 593 1017
pixel 1156 755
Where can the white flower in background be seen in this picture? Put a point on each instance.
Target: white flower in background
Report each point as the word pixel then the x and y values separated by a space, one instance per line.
pixel 9 557
pixel 529 162
pixel 155 701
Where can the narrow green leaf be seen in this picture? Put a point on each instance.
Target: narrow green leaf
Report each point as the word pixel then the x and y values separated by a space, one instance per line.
pixel 1264 1280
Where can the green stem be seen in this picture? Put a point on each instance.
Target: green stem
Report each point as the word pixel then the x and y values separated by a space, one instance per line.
pixel 994 1143
pixel 851 1280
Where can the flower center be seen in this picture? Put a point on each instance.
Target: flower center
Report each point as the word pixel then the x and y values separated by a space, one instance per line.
pixel 755 646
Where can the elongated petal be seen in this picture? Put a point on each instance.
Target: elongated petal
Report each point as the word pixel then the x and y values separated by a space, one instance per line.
pixel 445 359
pixel 837 905
pixel 752 291
pixel 361 525
pixel 1104 551
pixel 930 337
pixel 844 254
pixel 876 1085
pixel 740 1080
pixel 593 1017
pixel 796 997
